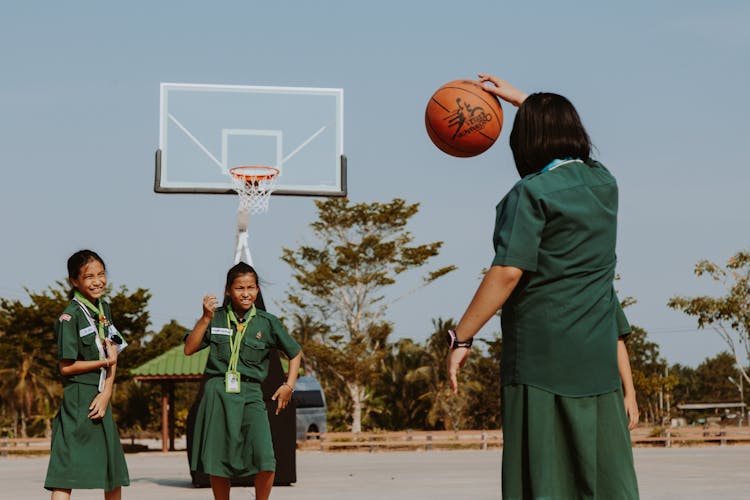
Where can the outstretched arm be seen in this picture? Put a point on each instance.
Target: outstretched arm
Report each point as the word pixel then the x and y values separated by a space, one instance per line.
pixel 628 389
pixel 492 293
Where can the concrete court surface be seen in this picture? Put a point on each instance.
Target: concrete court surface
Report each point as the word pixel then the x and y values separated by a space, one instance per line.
pixel 684 473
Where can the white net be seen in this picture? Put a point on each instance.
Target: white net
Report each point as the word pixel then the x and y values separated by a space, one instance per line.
pixel 254 186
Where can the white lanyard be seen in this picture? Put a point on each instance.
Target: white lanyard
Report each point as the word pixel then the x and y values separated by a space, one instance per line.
pixel 98 341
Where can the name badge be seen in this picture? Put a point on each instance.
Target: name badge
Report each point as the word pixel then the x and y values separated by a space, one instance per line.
pixel 86 331
pixel 232 382
pixel 221 331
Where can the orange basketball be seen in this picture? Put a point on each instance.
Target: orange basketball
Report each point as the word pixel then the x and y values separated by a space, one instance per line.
pixel 463 119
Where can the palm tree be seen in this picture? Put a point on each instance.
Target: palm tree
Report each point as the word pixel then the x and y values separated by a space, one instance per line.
pixel 29 392
pixel 445 407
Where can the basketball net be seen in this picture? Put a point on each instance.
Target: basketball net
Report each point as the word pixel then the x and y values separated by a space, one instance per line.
pixel 254 185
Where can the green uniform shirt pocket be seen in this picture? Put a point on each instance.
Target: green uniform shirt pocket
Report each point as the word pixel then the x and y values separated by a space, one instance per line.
pixel 220 347
pixel 89 351
pixel 253 351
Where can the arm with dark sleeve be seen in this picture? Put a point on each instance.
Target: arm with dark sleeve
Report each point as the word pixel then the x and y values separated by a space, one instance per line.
pixel 517 237
pixel 623 325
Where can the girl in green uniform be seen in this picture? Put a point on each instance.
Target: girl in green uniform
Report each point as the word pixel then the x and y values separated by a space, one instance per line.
pixel 232 434
pixel 86 449
pixel 567 391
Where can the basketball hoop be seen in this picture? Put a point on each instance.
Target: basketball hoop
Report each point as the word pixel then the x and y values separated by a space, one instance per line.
pixel 254 185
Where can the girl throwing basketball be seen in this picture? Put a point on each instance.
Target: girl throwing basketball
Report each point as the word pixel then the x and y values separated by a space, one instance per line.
pixel 567 391
pixel 232 434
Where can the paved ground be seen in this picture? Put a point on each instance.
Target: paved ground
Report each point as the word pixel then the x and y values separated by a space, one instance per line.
pixel 684 473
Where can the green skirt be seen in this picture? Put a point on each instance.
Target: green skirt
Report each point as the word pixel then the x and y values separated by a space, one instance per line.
pixel 232 437
pixel 85 453
pixel 557 447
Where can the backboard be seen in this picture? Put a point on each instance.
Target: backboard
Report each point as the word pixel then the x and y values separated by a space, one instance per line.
pixel 205 130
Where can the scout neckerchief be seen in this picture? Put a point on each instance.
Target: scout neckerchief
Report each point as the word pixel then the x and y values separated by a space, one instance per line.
pixel 232 377
pixel 97 326
pixel 90 310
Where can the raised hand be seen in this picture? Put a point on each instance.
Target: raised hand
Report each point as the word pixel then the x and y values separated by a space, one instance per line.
pixel 502 89
pixel 210 303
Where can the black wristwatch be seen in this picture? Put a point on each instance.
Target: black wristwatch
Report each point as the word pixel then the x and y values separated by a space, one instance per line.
pixel 454 343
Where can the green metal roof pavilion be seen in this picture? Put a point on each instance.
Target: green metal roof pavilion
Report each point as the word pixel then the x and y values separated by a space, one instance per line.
pixel 173 365
pixel 169 368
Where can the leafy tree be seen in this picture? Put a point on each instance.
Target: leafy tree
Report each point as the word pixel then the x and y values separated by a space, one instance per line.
pixel 686 389
pixel 340 282
pixel 170 335
pixel 713 379
pixel 649 374
pixel 728 313
pixel 307 331
pixel 397 403
pixel 445 408
pixel 130 316
pixel 412 389
pixel 29 379
pixel 484 393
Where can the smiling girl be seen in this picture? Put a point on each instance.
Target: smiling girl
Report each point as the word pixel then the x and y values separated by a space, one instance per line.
pixel 86 451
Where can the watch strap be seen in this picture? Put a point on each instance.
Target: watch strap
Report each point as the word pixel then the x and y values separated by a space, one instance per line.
pixel 454 343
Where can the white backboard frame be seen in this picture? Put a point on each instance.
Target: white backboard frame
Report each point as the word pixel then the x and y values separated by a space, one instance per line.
pixel 166 181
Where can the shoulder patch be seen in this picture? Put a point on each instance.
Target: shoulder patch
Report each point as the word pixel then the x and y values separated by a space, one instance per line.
pixel 64 317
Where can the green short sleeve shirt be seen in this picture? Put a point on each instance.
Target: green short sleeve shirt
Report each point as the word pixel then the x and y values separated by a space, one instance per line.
pixel 263 333
pixel 76 340
pixel 561 323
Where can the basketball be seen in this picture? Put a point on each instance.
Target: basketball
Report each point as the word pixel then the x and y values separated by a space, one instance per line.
pixel 463 119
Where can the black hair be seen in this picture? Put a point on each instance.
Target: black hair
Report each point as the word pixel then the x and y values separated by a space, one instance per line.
pixel 546 127
pixel 236 271
pixel 76 263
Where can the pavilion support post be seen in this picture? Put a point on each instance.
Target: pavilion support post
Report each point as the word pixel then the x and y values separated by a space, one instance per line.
pixel 164 415
pixel 171 415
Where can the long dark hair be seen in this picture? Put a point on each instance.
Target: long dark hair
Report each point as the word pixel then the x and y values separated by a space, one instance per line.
pixel 236 271
pixel 546 127
pixel 76 263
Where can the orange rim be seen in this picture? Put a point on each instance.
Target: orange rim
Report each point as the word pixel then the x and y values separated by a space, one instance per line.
pixel 254 173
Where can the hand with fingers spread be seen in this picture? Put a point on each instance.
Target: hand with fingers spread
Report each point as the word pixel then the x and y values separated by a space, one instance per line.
pixel 282 396
pixel 502 89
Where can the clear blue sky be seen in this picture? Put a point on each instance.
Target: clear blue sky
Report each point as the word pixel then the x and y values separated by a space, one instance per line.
pixel 661 86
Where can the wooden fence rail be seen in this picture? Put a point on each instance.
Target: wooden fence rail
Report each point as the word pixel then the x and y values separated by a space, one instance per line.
pixel 426 440
pixel 23 445
pixel 429 440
